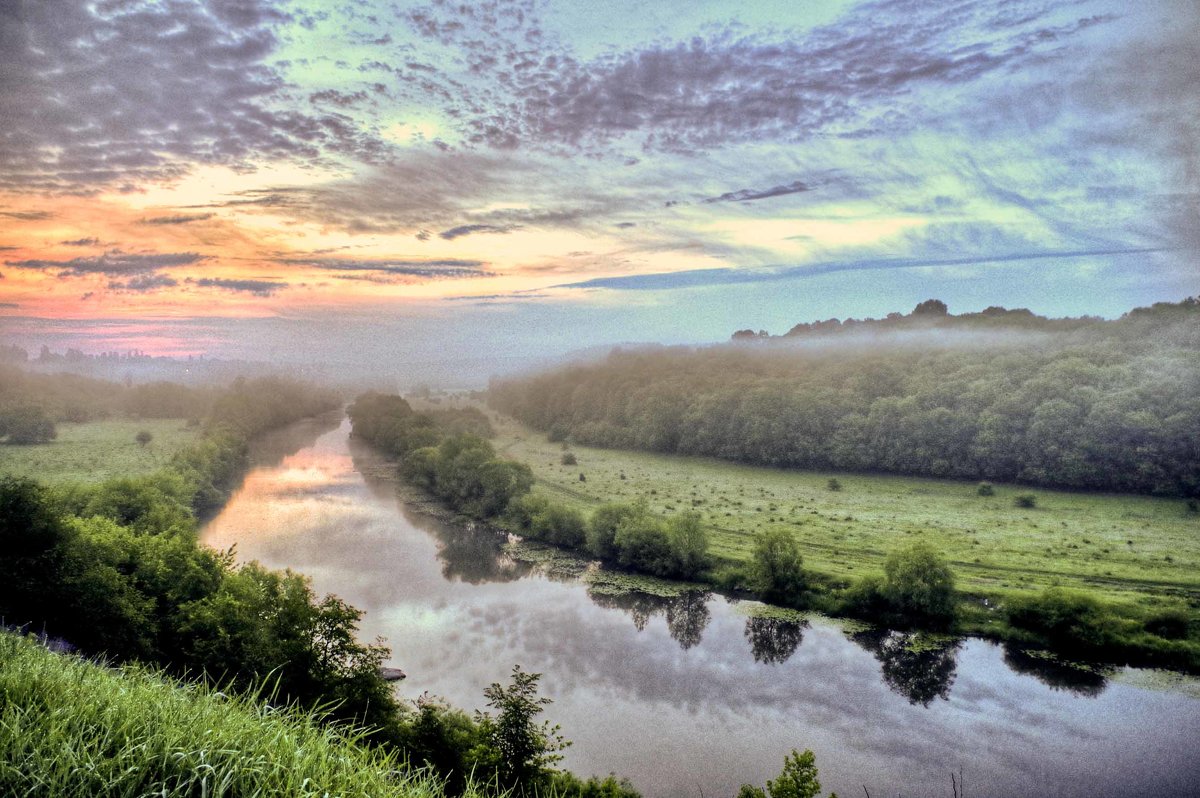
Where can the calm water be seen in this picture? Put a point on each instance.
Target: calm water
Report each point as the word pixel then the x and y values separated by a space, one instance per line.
pixel 689 695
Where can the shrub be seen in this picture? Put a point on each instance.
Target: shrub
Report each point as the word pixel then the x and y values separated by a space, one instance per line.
pixel 776 568
pixel 1065 619
pixel 918 582
pixel 29 424
pixel 689 544
pixel 558 433
pixel 1026 500
pixel 985 489
pixel 559 525
pixel 602 529
pixel 642 545
pixel 568 458
pixel 143 437
pixel 833 484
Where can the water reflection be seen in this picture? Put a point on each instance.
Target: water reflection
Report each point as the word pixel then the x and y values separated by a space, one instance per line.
pixel 914 667
pixel 1079 680
pixel 687 614
pixel 774 640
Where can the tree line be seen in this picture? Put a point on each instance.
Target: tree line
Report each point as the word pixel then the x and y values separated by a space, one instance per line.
pixel 1091 404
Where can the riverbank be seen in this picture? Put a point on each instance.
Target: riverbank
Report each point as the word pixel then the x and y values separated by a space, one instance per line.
pixel 1127 602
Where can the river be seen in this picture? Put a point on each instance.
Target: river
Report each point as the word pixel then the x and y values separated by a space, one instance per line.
pixel 690 696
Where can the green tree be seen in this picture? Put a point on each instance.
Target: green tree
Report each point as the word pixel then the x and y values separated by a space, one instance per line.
pixel 776 567
pixel 524 749
pixel 917 581
pixel 603 526
pixel 689 544
pixel 798 779
pixel 143 438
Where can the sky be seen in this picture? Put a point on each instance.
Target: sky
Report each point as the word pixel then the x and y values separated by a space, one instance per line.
pixel 386 181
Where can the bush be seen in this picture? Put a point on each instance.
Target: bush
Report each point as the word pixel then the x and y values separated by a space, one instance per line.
pixel 602 529
pixel 1026 500
pixel 776 568
pixel 28 425
pixel 833 484
pixel 558 433
pixel 1065 619
pixel 642 545
pixel 985 489
pixel 917 582
pixel 689 544
pixel 568 458
pixel 559 525
pixel 143 437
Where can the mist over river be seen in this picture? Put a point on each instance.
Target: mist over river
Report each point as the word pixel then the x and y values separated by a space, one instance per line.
pixel 690 695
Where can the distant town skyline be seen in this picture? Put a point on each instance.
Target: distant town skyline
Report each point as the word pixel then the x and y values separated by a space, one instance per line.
pixel 400 182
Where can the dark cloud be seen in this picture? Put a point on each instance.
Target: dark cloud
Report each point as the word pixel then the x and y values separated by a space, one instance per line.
pixel 81 242
pixel 697 278
pixel 256 287
pixel 143 284
pixel 117 93
pixel 112 263
pixel 338 98
pixel 25 216
pixel 470 229
pixel 179 219
pixel 421 269
pixel 9 305
pixel 751 194
pixel 625 225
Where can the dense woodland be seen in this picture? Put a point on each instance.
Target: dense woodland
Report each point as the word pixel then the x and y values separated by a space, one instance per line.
pixel 999 395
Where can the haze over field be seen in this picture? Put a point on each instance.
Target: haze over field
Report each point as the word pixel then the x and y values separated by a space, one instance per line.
pixel 485 183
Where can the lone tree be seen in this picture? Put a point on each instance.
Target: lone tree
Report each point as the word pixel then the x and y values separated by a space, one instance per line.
pixel 776 568
pixel 918 582
pixel 144 437
pixel 931 307
pixel 524 748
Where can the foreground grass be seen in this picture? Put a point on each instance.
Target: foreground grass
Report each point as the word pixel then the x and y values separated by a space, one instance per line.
pixel 98 450
pixel 72 728
pixel 1135 550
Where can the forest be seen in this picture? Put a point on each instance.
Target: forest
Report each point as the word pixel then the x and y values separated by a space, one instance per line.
pixel 999 395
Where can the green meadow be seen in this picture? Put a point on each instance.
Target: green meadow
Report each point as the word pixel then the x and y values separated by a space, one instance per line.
pixel 1126 547
pixel 96 451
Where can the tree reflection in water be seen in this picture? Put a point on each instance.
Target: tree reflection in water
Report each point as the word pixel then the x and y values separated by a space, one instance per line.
pixel 774 640
pixel 912 666
pixel 687 614
pixel 473 556
pixel 1056 674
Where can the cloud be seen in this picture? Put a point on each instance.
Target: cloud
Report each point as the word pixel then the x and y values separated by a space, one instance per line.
pixel 470 229
pixel 143 284
pixel 179 219
pixel 696 278
pixel 115 94
pixel 112 263
pixel 854 77
pixel 750 194
pixel 9 305
pixel 80 242
pixel 446 268
pixel 26 216
pixel 256 287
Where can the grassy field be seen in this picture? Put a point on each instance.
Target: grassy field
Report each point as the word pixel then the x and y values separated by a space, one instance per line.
pixel 98 450
pixel 1127 547
pixel 72 728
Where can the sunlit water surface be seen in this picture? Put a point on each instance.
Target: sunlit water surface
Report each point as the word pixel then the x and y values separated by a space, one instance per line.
pixel 690 696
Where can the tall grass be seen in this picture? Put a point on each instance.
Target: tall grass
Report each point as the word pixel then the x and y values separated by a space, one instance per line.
pixel 69 727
